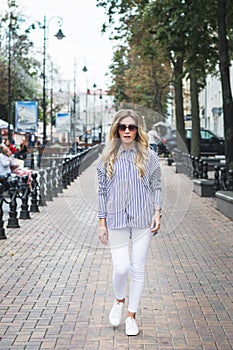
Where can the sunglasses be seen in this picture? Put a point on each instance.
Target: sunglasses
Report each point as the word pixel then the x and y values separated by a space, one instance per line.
pixel 130 127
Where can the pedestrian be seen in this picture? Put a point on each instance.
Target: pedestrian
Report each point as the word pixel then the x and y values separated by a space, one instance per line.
pixel 76 147
pixel 153 138
pixel 11 146
pixel 22 153
pixel 40 150
pixel 5 160
pixel 129 194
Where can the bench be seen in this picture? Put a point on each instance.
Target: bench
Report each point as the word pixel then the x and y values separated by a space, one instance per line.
pixel 224 202
pixel 204 187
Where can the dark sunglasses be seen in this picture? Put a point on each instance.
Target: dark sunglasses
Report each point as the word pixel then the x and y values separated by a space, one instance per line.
pixel 130 127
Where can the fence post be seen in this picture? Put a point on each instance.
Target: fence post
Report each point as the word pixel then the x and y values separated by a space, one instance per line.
pixel 2 230
pixel 13 191
pixel 24 213
pixel 34 193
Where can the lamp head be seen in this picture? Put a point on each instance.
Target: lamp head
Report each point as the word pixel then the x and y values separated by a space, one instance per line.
pixel 84 69
pixel 59 35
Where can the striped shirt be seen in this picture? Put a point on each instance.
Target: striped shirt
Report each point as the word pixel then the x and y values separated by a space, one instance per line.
pixel 125 199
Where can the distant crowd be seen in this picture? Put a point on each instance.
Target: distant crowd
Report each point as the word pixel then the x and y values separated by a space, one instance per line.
pixel 12 159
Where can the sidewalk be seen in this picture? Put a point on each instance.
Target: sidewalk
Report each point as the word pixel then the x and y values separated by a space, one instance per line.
pixel 56 278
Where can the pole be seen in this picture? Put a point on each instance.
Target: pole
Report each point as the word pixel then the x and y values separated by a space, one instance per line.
pixel 94 117
pixel 51 104
pixel 9 80
pixel 74 108
pixel 44 84
pixel 86 116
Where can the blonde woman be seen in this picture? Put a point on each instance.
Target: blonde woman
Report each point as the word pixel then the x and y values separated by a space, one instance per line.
pixel 129 194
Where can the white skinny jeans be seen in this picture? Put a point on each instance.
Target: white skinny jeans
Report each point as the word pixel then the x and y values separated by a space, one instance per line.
pixel 123 264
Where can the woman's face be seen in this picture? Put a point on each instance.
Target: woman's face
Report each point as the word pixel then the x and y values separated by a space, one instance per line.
pixel 128 131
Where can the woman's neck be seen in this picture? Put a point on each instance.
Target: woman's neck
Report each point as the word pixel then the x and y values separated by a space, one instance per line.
pixel 128 147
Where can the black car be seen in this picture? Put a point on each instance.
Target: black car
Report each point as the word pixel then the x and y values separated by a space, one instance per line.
pixel 211 144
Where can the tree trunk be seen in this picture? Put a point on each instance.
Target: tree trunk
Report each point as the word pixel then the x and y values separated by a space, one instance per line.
pixel 179 104
pixel 225 81
pixel 196 138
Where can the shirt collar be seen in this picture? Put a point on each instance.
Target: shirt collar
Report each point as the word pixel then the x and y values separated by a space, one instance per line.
pixel 123 150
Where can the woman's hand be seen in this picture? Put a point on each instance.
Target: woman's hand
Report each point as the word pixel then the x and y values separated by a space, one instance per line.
pixel 103 235
pixel 155 222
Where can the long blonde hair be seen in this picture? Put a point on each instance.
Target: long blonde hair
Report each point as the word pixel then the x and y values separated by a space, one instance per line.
pixel 110 152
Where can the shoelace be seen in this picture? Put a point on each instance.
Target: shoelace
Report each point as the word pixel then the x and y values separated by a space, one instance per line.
pixel 131 324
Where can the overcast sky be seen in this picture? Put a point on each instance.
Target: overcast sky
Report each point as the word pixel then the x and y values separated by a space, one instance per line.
pixel 82 22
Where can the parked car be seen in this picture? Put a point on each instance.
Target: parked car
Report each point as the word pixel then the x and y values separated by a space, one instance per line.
pixel 211 144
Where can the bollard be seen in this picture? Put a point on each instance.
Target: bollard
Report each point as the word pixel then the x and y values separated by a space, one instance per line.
pixel 77 164
pixel 64 174
pixel 13 191
pixel 2 230
pixel 34 193
pixel 54 181
pixel 69 164
pixel 48 195
pixel 216 178
pixel 205 170
pixel 24 213
pixel 200 168
pixel 230 181
pixel 190 168
pixel 195 169
pixel 59 178
pixel 42 201
pixel 223 179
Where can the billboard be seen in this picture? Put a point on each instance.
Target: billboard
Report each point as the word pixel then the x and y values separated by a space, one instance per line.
pixel 62 122
pixel 26 116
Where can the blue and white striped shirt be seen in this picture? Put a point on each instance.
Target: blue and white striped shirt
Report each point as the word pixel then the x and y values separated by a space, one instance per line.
pixel 125 199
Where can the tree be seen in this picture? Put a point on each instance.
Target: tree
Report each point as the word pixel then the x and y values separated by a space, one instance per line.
pixel 225 80
pixel 194 41
pixel 140 74
pixel 15 61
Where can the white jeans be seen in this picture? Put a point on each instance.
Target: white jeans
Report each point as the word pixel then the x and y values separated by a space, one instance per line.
pixel 123 264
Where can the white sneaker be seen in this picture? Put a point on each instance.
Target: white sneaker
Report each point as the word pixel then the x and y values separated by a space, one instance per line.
pixel 131 327
pixel 116 313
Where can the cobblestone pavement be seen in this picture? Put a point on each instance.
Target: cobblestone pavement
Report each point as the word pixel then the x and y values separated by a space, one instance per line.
pixel 56 278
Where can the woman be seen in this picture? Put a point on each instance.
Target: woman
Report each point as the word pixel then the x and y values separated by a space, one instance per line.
pixel 5 160
pixel 129 207
pixel 22 153
pixel 11 165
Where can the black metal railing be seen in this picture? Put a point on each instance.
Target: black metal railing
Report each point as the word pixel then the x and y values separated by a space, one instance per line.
pixel 57 173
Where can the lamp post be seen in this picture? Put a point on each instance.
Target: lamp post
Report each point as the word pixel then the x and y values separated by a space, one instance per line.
pixel 74 108
pixel 85 70
pixel 94 116
pixel 51 105
pixel 59 36
pixel 9 79
pixel 75 100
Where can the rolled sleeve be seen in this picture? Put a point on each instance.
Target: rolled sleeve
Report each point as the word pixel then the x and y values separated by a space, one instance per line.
pixel 102 191
pixel 155 182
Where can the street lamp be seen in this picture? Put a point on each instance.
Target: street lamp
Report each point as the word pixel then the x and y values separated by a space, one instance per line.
pixel 59 36
pixel 87 91
pixel 9 79
pixel 75 100
pixel 94 117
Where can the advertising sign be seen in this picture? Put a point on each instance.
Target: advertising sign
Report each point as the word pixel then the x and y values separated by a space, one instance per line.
pixel 62 122
pixel 26 116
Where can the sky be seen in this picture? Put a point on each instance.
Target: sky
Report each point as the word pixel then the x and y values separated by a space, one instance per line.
pixel 83 43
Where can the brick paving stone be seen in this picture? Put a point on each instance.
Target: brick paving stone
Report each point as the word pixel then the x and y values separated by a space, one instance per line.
pixel 56 278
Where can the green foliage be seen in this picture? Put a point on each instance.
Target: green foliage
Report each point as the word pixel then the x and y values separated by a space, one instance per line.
pixel 140 74
pixel 15 50
pixel 191 36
